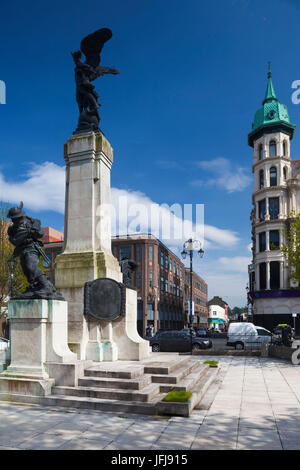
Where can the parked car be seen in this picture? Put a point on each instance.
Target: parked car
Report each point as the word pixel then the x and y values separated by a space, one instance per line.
pixel 4 344
pixel 201 332
pixel 178 341
pixel 247 335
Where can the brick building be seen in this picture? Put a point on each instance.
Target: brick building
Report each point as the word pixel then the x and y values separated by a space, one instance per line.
pixel 159 280
pixel 199 296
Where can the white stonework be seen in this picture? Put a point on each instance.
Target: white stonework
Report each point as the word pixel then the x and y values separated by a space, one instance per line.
pixel 87 253
pixel 38 338
pixel 287 190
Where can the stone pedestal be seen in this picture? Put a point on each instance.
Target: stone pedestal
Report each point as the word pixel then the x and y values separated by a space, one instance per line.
pixel 38 339
pixel 87 252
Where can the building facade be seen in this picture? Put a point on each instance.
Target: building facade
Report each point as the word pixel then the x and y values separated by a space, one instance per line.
pixel 276 194
pixel 199 295
pixel 159 280
pixel 218 314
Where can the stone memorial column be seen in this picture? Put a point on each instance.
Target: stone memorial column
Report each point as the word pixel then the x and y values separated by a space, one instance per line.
pixel 87 253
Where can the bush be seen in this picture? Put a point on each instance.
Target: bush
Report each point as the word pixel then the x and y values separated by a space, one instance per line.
pixel 212 363
pixel 180 396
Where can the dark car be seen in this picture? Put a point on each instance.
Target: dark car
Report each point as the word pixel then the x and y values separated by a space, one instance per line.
pixel 201 332
pixel 178 341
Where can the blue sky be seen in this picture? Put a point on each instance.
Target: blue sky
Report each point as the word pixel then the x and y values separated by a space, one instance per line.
pixel 193 74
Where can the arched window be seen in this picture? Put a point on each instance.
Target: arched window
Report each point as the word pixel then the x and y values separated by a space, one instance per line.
pixel 272 149
pixel 284 148
pixel 260 152
pixel 273 176
pixel 261 179
pixel 284 173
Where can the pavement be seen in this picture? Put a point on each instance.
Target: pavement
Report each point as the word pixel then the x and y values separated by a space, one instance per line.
pixel 254 405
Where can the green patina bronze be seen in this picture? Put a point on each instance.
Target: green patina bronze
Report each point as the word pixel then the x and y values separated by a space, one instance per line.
pixel 271 117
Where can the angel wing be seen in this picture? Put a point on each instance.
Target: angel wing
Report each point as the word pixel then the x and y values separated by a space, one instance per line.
pixel 92 45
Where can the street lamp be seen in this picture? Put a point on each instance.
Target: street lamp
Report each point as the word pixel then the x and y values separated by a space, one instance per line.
pixel 12 264
pixel 188 248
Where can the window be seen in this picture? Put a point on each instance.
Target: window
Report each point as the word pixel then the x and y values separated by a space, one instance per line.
pixel 261 179
pixel 272 149
pixel 284 173
pixel 273 176
pixel 262 209
pixel 138 253
pixel 262 276
pixel 177 272
pixel 167 262
pixel 274 275
pixel 171 265
pixel 262 241
pixel 273 208
pixel 138 280
pixel 150 280
pixel 284 148
pixel 162 283
pixel 161 258
pixel 150 253
pixel 174 267
pixel 166 285
pixel 125 253
pixel 274 239
pixel 260 152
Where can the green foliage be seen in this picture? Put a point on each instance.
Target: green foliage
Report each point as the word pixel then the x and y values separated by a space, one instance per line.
pixel 212 363
pixel 291 247
pixel 178 396
pixel 239 310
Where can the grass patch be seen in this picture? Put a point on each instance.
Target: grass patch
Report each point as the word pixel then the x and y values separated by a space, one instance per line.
pixel 212 363
pixel 179 395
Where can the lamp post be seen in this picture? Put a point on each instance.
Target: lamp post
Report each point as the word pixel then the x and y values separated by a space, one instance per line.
pixel 12 264
pixel 188 248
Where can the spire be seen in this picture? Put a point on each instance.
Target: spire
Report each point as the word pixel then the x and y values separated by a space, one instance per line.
pixel 270 92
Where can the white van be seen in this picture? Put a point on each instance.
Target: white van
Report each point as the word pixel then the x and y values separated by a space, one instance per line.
pixel 246 335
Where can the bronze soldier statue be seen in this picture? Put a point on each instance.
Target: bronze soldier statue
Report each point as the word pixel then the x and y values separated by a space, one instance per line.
pixel 25 233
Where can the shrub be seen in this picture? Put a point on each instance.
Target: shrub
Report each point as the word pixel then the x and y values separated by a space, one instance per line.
pixel 180 396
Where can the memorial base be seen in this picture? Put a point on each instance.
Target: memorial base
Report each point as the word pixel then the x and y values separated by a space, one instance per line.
pixel 40 356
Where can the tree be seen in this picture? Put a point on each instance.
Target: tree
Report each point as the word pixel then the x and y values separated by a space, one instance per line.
pixel 6 251
pixel 291 248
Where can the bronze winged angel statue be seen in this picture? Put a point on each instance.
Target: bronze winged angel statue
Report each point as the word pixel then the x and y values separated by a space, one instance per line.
pixel 86 72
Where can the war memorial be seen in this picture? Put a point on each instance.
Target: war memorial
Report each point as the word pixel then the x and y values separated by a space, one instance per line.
pixel 76 344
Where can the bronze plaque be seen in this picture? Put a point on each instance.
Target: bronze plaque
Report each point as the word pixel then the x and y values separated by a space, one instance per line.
pixel 104 299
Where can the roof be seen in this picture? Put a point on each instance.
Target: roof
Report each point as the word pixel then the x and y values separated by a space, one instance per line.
pixel 272 116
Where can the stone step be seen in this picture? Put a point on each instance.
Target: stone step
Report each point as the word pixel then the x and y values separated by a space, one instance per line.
pixel 84 390
pixel 179 374
pixel 198 391
pixel 127 384
pixel 120 371
pixel 88 403
pixel 164 367
pixel 188 382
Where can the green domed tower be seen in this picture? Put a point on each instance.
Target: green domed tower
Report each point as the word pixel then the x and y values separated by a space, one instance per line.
pixel 271 117
pixel 272 294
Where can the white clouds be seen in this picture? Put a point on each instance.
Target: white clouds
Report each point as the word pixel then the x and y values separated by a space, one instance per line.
pixel 236 263
pixel 225 175
pixel 42 189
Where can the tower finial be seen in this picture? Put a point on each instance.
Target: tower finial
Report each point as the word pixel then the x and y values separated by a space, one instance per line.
pixel 269 70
